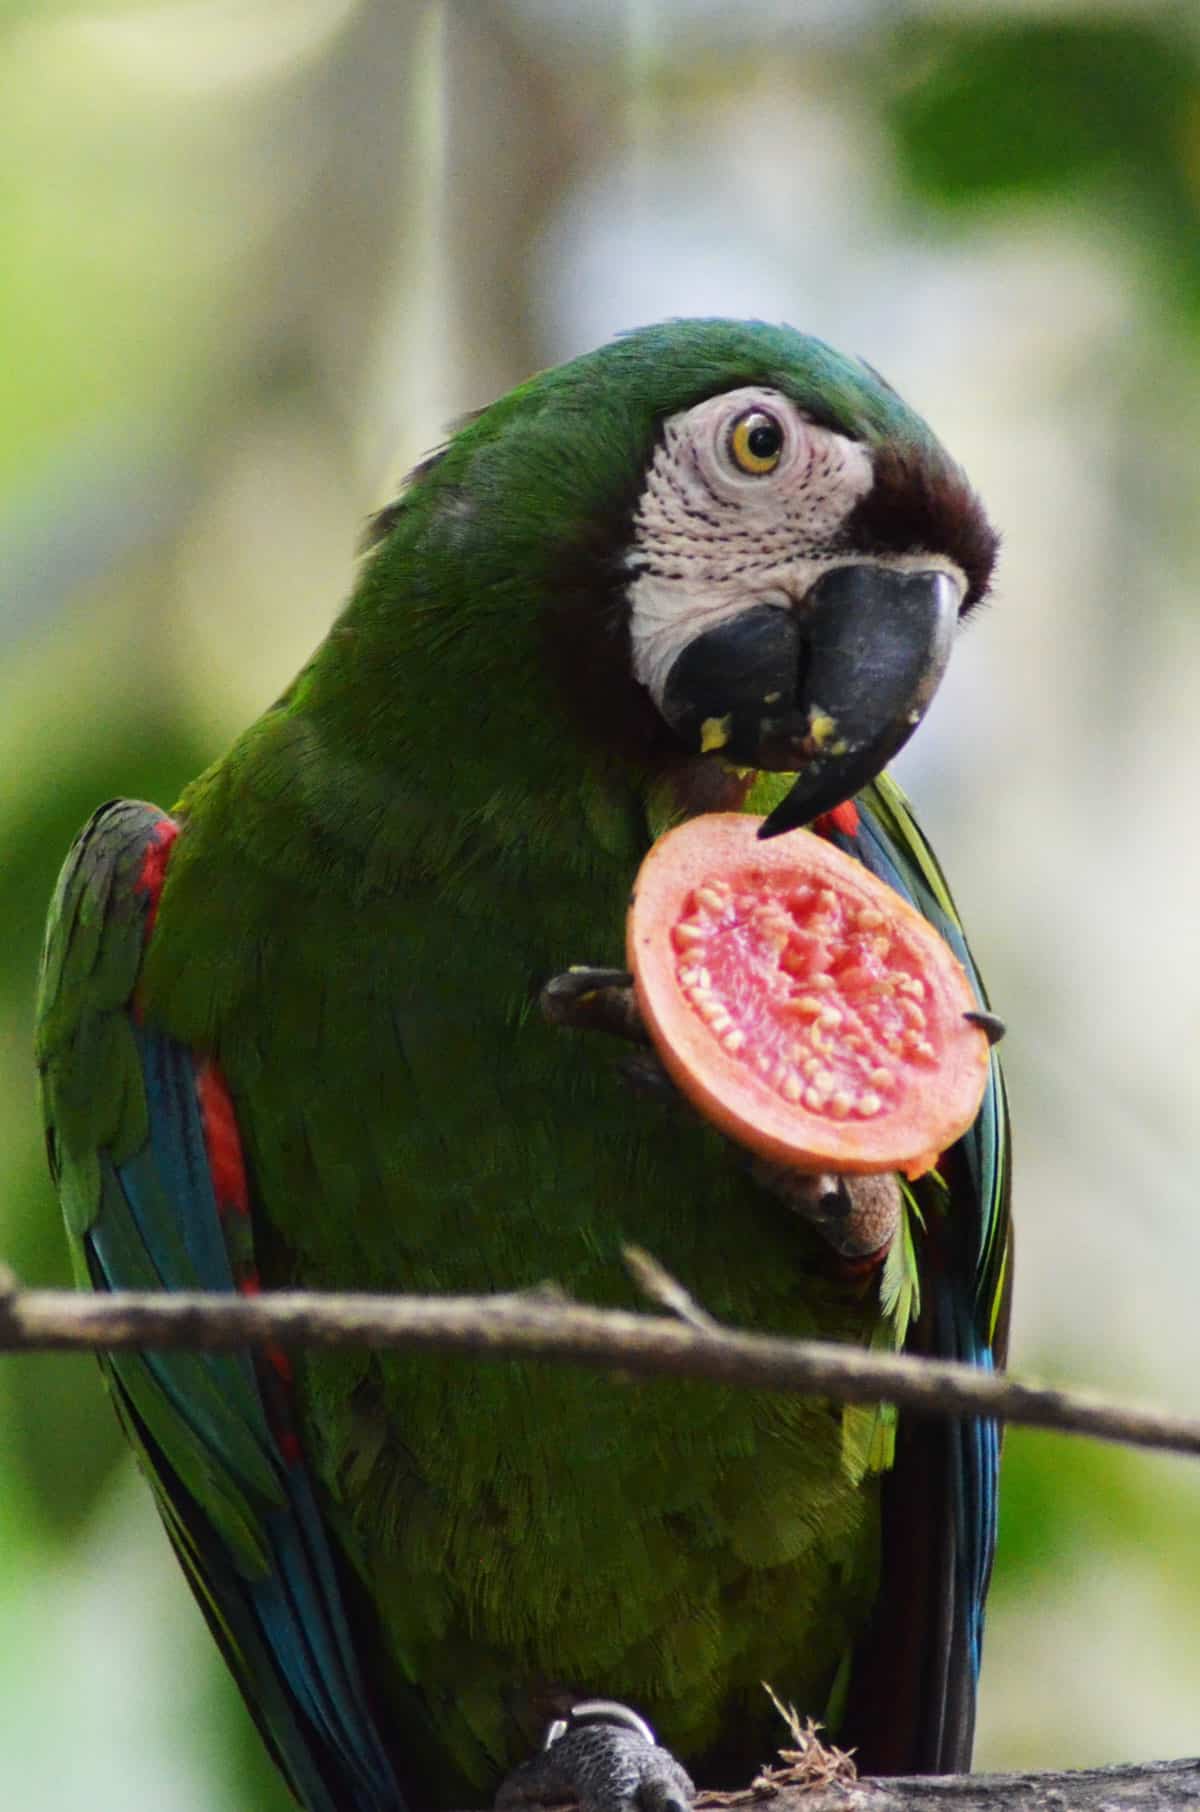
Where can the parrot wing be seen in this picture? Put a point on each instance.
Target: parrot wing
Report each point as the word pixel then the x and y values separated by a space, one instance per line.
pixel 145 1152
pixel 911 1704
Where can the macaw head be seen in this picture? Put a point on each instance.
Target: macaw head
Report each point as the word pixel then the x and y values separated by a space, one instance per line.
pixel 739 547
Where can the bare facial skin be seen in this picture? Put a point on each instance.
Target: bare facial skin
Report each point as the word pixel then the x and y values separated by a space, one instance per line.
pixel 712 539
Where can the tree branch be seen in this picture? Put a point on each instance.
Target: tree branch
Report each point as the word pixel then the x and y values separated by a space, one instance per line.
pixel 682 1344
pixel 543 1325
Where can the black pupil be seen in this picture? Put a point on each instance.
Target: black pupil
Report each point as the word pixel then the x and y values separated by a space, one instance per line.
pixel 763 440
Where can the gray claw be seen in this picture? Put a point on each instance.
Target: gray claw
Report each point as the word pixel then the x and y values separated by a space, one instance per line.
pixel 990 1024
pixel 645 1075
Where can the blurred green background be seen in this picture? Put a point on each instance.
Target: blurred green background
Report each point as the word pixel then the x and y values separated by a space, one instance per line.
pixel 253 257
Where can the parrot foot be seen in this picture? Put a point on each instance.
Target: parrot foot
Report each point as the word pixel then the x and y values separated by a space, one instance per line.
pixel 605 1757
pixel 858 1216
pixel 587 999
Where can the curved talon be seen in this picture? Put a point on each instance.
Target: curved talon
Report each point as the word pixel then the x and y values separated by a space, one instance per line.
pixel 599 1711
pixel 642 1072
pixel 990 1024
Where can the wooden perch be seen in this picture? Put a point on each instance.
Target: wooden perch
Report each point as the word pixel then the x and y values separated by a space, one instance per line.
pixel 683 1343
pixel 1150 1787
pixel 543 1325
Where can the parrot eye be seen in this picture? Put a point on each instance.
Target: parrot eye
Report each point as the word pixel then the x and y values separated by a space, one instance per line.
pixel 756 443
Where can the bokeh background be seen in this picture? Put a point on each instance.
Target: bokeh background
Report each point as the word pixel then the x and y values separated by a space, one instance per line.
pixel 253 257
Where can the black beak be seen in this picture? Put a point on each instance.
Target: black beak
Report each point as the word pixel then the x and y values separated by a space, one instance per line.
pixel 832 690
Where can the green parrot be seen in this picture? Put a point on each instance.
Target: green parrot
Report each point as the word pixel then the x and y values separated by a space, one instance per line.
pixel 289 1035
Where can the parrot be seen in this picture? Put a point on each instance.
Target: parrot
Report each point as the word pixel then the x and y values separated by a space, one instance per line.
pixel 321 1025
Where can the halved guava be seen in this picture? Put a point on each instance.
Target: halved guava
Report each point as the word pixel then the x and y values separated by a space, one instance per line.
pixel 799 1003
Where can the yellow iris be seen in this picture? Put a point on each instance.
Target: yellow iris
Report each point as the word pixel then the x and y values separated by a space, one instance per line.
pixel 756 442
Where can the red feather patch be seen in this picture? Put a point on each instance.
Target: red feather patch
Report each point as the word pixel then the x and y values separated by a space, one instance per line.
pixel 843 818
pixel 153 871
pixel 222 1141
pixel 227 1167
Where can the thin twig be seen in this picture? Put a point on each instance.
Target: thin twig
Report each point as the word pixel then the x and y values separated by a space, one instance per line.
pixel 535 1326
pixel 657 1285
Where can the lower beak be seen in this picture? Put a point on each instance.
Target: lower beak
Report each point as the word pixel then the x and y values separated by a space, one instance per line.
pixel 832 690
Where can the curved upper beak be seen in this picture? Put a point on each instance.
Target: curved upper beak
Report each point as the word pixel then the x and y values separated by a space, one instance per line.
pixel 832 690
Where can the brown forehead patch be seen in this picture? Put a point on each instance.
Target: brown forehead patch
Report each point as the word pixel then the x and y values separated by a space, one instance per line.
pixel 924 505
